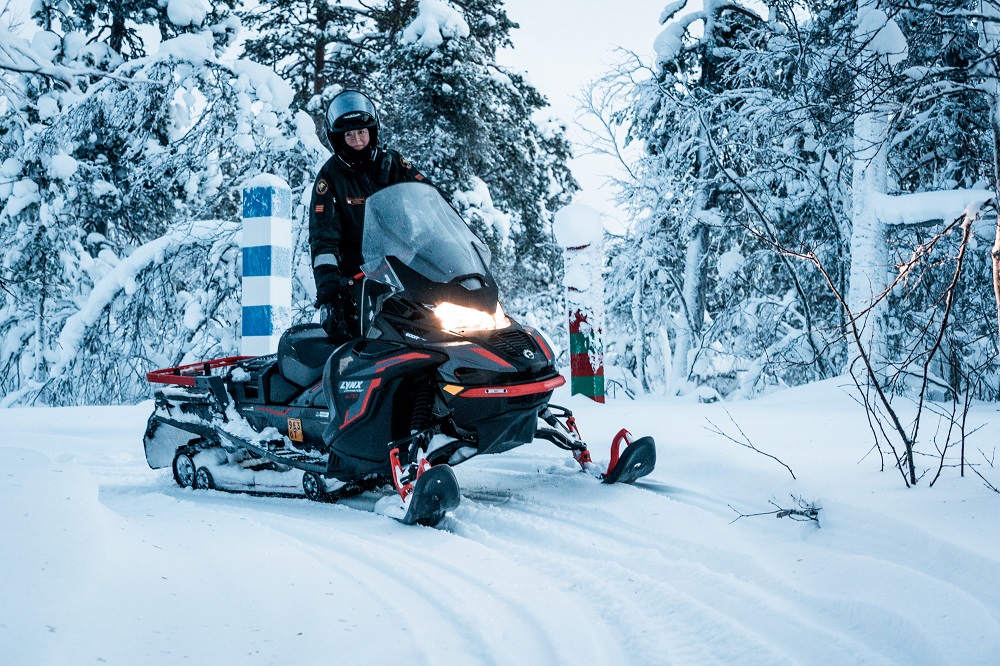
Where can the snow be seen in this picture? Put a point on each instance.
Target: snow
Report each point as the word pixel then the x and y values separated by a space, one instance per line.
pixel 63 166
pixel 46 44
pixel 184 13
pixel 268 86
pixel 880 34
pixel 435 22
pixel 266 180
pixel 73 43
pixel 730 263
pixel 24 193
pixel 478 204
pixel 922 207
pixel 189 47
pixel 670 41
pixel 670 10
pixel 106 560
pixel 48 106
pixel 577 225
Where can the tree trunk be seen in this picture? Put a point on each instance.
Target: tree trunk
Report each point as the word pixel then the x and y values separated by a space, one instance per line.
pixel 995 250
pixel 869 250
pixel 693 297
pixel 989 42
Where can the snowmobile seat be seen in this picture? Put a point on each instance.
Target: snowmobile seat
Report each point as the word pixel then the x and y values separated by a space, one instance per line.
pixel 302 353
pixel 280 391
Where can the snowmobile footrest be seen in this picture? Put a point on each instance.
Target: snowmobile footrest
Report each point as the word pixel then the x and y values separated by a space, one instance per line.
pixel 434 494
pixel 638 460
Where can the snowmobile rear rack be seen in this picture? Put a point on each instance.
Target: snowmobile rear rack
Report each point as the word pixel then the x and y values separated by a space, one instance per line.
pixel 188 375
pixel 198 375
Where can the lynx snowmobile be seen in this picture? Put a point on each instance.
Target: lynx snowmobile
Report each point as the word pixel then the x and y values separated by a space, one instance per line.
pixel 438 375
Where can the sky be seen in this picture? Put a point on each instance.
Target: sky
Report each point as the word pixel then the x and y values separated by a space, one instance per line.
pixel 563 45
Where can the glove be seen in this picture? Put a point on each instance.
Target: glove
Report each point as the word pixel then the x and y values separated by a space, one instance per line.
pixel 330 286
pixel 335 323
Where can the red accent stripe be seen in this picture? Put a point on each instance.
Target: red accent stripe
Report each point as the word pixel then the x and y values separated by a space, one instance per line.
pixel 490 356
pixel 274 411
pixel 514 391
pixel 364 404
pixel 395 360
pixel 541 343
pixel 185 375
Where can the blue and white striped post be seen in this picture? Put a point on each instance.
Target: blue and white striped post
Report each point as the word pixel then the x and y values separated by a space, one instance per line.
pixel 267 264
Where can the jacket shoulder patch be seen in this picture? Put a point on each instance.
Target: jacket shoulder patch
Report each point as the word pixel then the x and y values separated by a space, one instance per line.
pixel 322 187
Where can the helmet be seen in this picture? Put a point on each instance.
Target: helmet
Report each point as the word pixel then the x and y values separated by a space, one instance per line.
pixel 350 110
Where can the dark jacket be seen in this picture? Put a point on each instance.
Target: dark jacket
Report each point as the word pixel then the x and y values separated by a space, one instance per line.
pixel 337 210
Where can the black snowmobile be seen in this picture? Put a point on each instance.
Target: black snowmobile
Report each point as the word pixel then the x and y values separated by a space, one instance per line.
pixel 439 374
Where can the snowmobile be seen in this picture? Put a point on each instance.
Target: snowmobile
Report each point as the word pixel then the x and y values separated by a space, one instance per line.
pixel 439 374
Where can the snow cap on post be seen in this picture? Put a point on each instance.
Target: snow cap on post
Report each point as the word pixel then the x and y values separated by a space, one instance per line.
pixel 580 231
pixel 577 226
pixel 267 264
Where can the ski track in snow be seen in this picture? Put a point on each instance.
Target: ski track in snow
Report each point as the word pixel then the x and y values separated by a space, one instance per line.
pixel 540 564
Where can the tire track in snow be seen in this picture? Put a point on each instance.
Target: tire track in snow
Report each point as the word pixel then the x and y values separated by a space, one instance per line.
pixel 699 599
pixel 426 578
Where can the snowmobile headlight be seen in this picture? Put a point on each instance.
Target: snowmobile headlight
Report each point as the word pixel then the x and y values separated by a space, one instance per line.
pixel 458 318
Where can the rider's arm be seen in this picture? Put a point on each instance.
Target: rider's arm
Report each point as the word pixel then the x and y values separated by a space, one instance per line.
pixel 324 225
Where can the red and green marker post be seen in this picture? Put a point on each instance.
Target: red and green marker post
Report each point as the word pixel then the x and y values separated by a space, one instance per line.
pixel 580 231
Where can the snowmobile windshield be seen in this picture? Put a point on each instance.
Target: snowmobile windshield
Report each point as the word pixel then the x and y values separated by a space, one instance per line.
pixel 414 224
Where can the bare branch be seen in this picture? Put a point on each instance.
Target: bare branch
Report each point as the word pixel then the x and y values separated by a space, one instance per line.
pixel 746 441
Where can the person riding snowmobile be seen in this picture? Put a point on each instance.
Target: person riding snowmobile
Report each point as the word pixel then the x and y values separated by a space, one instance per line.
pixel 357 169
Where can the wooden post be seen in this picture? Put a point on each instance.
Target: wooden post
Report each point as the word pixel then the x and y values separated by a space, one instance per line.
pixel 267 264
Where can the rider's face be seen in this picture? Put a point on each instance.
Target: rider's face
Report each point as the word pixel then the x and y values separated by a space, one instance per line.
pixel 357 139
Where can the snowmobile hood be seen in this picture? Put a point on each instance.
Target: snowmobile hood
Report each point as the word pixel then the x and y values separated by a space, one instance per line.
pixel 416 242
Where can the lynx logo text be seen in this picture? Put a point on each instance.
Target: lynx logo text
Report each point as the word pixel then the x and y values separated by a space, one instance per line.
pixel 351 387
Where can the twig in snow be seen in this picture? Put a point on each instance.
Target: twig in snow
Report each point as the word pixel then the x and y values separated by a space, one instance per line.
pixel 805 512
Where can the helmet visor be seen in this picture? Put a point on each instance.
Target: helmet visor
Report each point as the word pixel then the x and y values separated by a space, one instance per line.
pixel 350 110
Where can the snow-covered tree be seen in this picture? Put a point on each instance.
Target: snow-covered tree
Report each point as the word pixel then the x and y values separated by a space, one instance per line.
pixel 108 270
pixel 715 121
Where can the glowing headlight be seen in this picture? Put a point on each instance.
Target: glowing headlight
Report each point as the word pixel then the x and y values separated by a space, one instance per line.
pixel 458 318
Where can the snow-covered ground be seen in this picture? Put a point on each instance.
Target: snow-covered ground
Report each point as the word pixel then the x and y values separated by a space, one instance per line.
pixel 106 561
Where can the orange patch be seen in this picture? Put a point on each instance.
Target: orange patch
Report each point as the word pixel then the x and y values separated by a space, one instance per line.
pixel 295 430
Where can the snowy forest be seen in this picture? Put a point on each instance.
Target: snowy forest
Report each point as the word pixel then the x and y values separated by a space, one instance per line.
pixel 810 185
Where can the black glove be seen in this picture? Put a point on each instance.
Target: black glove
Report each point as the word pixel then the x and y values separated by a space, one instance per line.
pixel 330 286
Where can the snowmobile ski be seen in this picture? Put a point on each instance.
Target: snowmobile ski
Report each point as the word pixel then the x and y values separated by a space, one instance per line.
pixel 635 462
pixel 434 493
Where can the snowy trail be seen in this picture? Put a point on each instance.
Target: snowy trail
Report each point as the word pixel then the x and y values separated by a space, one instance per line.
pixel 109 561
pixel 704 590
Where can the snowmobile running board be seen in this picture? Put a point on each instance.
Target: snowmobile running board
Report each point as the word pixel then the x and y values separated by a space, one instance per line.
pixel 283 457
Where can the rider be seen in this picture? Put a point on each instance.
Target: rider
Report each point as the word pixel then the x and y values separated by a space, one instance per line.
pixel 357 169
